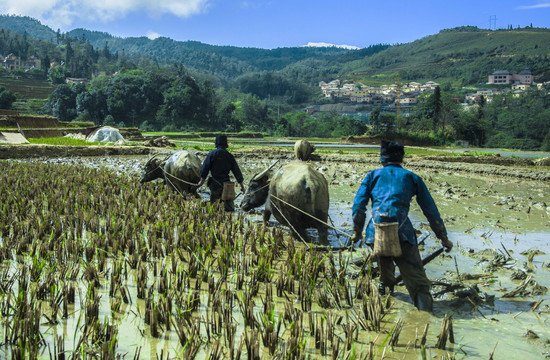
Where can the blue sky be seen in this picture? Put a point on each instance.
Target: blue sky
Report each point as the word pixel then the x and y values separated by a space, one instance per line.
pixel 282 23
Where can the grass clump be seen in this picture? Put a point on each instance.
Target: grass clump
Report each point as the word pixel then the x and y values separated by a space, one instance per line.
pixel 61 140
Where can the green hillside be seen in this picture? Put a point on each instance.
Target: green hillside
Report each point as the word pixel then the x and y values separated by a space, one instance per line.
pixel 224 62
pixel 462 56
pixel 31 93
pixel 466 55
pixel 25 24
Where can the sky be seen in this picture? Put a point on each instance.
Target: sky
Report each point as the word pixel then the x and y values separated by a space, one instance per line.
pixel 272 24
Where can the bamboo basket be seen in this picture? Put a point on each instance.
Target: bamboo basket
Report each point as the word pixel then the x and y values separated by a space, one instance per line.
pixel 386 240
pixel 228 192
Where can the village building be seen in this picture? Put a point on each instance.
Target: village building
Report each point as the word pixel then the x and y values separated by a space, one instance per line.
pixel 313 109
pixel 408 100
pixel 71 80
pixel 11 62
pixel 520 86
pixel 32 63
pixel 504 77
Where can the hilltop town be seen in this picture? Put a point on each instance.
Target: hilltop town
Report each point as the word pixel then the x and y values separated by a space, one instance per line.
pixel 401 97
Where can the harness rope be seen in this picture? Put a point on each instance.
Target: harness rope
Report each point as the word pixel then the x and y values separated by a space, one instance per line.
pixel 275 197
pixel 311 216
pixel 292 227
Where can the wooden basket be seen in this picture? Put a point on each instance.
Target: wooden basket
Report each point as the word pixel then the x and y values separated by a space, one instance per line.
pixel 386 240
pixel 228 192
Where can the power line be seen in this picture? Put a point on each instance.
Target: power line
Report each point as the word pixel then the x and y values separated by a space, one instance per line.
pixel 493 22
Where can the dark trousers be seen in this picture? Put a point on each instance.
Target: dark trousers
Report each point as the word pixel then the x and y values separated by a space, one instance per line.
pixel 216 195
pixel 411 268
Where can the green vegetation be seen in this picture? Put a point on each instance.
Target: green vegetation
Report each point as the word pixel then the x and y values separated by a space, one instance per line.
pixel 68 141
pixel 324 125
pixel 461 56
pixel 511 120
pixel 78 124
pixel 519 122
pixel 7 98
pixel 163 270
pixel 189 86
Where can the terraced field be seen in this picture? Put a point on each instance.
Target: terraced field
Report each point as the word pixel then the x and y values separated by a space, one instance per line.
pixel 31 93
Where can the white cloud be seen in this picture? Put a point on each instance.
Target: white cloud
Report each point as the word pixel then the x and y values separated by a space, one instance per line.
pixel 153 35
pixel 537 6
pixel 66 12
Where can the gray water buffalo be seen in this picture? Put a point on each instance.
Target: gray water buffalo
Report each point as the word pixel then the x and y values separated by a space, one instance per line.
pixel 303 150
pixel 296 195
pixel 181 171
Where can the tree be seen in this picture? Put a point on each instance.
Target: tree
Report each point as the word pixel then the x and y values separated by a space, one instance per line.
pixel 437 105
pixel 125 97
pixel 62 103
pixel 46 63
pixel 57 75
pixel 469 127
pixel 375 119
pixel 253 114
pixel 7 98
pixel 226 118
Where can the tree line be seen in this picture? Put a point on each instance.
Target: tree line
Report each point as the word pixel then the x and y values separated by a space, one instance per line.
pixel 171 99
pixel 138 90
pixel 510 120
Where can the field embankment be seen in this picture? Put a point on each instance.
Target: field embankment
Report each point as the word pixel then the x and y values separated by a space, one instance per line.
pixel 488 165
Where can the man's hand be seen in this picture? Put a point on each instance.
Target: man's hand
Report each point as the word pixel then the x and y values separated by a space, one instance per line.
pixel 199 184
pixel 447 244
pixel 357 236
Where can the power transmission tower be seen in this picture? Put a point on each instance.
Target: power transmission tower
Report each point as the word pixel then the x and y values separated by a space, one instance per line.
pixel 493 22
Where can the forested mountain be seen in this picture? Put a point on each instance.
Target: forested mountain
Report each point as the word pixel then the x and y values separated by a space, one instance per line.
pixel 25 24
pixel 225 62
pixel 464 55
pixel 173 85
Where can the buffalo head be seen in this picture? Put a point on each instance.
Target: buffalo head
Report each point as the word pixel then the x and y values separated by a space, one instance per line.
pixel 258 189
pixel 153 169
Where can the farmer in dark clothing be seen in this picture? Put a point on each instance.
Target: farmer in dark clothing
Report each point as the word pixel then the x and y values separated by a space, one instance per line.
pixel 219 163
pixel 390 190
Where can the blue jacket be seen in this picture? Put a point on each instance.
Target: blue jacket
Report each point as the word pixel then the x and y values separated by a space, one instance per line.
pixel 390 190
pixel 219 163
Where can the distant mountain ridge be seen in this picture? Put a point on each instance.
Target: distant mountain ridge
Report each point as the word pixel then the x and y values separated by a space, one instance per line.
pixel 324 44
pixel 209 59
pixel 463 55
pixel 26 24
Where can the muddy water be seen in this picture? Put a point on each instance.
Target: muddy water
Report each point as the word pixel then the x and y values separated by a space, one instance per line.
pixel 485 216
pixel 490 215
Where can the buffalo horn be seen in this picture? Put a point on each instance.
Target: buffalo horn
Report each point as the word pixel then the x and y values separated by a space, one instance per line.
pixel 265 172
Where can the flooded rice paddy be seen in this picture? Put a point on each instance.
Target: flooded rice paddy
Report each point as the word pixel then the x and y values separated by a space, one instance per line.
pixel 95 265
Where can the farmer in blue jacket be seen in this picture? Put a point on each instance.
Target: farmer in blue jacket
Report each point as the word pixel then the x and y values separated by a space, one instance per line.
pixel 390 190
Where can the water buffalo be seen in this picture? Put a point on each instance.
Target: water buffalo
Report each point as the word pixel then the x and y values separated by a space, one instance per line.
pixel 299 185
pixel 180 171
pixel 303 149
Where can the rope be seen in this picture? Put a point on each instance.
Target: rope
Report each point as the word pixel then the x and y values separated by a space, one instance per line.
pixel 147 173
pixel 183 181
pixel 255 191
pixel 173 185
pixel 311 216
pixel 273 196
pixel 292 227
